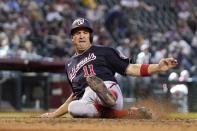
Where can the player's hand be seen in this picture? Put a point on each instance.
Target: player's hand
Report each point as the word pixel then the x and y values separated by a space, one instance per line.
pixel 167 63
pixel 48 115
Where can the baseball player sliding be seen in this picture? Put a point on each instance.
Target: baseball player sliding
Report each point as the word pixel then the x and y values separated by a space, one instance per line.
pixel 91 70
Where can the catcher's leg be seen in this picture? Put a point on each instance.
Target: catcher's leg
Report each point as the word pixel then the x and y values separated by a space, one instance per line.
pixel 98 86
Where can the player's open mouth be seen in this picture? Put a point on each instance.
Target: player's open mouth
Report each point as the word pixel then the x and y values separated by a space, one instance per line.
pixel 82 41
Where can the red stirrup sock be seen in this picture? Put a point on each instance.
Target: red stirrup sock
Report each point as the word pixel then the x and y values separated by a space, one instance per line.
pixel 111 113
pixel 118 113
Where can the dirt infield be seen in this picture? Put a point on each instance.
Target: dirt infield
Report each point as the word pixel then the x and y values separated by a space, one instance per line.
pixel 28 121
pixel 81 124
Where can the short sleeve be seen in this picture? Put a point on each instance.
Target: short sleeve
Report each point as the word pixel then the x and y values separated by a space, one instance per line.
pixel 117 61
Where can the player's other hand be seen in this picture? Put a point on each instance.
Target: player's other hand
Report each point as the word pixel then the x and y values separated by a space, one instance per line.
pixel 167 63
pixel 48 115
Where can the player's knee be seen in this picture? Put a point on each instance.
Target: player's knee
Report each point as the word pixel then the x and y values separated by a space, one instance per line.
pixel 72 108
pixel 78 109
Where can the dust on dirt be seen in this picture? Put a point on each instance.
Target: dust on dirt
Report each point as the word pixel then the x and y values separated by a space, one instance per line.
pixel 160 109
pixel 87 124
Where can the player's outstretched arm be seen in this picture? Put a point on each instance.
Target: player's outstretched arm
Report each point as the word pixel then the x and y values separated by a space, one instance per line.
pixel 63 109
pixel 149 69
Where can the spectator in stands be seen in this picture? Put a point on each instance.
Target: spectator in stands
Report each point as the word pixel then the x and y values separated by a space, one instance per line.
pixel 59 51
pixel 89 3
pixel 53 14
pixel 183 51
pixel 181 44
pixel 194 41
pixel 116 21
pixel 135 46
pixel 34 11
pixel 96 13
pixel 11 23
pixel 4 45
pixel 136 4
pixel 127 84
pixel 13 5
pixel 192 21
pixel 144 56
pixel 143 84
pixel 104 39
pixel 184 12
pixel 159 54
pixel 184 30
pixel 28 52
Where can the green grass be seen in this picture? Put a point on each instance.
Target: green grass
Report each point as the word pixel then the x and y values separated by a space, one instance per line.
pixel 184 116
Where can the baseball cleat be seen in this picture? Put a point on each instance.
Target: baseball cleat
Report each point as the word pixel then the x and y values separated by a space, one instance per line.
pixel 145 113
pixel 140 113
pixel 98 86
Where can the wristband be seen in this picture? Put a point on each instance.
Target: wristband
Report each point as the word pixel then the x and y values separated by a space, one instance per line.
pixel 144 70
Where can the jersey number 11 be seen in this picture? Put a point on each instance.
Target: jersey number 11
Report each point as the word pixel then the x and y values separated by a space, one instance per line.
pixel 88 71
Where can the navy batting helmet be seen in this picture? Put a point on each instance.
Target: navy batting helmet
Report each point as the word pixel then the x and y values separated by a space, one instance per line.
pixel 81 23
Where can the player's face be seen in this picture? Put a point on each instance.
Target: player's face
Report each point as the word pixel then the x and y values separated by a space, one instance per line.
pixel 81 40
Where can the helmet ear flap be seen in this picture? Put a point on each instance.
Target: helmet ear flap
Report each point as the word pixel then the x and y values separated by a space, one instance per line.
pixel 91 38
